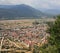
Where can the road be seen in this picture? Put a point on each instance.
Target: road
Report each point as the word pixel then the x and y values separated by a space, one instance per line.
pixel 10 50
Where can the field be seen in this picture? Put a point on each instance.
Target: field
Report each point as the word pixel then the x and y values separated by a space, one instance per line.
pixel 24 22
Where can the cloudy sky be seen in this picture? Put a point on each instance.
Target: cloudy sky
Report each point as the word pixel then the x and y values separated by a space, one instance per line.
pixel 49 4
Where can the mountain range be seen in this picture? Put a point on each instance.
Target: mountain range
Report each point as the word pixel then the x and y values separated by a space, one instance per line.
pixel 53 11
pixel 20 11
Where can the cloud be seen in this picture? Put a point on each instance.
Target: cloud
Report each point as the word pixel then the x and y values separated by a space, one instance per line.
pixel 10 2
pixel 49 4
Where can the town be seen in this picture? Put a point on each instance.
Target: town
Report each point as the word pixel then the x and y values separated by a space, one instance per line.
pixel 21 35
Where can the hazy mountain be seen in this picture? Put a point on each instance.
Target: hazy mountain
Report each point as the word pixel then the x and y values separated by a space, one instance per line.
pixel 18 11
pixel 53 11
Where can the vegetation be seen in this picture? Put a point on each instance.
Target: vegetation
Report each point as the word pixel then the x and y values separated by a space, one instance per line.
pixel 35 23
pixel 36 49
pixel 53 45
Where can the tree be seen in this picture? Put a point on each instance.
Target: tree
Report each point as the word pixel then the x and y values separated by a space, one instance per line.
pixel 53 45
pixel 35 22
pixel 55 34
pixel 36 49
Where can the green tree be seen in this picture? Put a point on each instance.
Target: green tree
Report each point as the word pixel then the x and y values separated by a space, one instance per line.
pixel 36 49
pixel 55 34
pixel 35 22
pixel 53 45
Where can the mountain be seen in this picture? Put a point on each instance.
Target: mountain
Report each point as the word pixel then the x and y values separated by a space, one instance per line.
pixel 19 11
pixel 53 11
pixel 6 6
